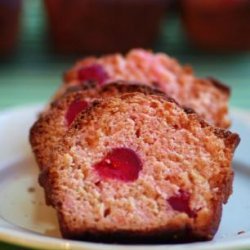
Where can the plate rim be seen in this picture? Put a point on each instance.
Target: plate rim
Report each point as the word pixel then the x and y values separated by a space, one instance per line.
pixel 38 241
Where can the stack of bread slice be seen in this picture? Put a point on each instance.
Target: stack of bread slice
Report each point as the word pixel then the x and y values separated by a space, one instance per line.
pixel 134 149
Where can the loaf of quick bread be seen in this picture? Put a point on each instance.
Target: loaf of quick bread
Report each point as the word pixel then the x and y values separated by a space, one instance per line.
pixel 134 149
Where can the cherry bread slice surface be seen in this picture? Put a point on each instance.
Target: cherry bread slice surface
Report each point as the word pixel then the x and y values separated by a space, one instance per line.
pixel 56 120
pixel 139 168
pixel 207 96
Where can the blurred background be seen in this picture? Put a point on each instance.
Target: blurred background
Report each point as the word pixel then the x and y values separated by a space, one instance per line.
pixel 40 39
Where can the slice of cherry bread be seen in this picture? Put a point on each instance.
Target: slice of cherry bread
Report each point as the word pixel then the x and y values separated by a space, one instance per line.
pixel 208 97
pixel 139 168
pixel 57 118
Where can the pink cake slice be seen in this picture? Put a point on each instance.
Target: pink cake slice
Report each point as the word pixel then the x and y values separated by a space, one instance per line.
pixel 139 168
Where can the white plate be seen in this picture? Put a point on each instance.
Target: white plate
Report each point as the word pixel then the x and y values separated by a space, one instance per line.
pixel 25 220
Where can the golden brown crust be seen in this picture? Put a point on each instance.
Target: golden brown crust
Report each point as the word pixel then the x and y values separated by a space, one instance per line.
pixel 225 88
pixel 130 87
pixel 119 86
pixel 157 236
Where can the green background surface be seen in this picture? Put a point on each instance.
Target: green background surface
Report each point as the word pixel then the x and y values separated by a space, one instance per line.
pixel 33 73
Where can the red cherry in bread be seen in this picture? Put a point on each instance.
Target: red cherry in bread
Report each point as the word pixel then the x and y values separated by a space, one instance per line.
pixel 74 109
pixel 94 72
pixel 180 203
pixel 121 163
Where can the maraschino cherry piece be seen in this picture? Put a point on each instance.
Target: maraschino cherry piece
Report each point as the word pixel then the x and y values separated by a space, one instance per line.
pixel 74 109
pixel 93 72
pixel 180 203
pixel 121 163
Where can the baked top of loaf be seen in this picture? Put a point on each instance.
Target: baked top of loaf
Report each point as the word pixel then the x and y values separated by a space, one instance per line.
pixel 139 167
pixel 207 96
